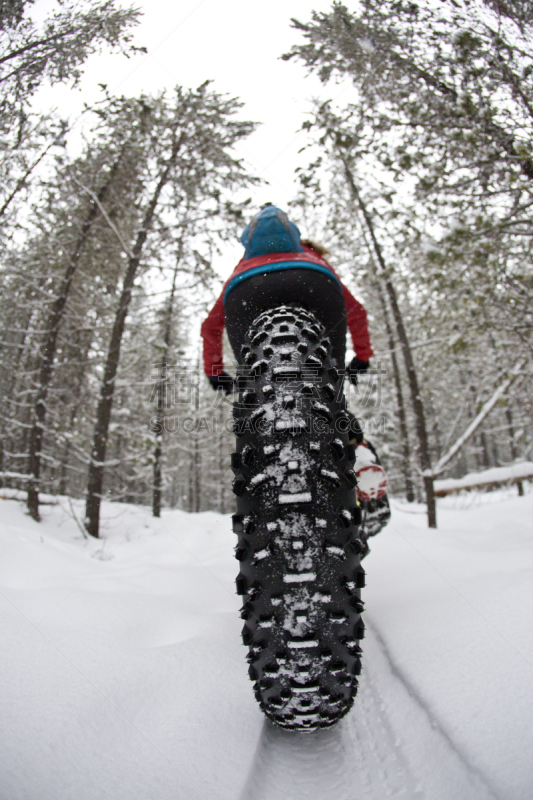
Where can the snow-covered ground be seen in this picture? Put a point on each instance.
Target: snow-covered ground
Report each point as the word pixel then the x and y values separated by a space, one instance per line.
pixel 122 675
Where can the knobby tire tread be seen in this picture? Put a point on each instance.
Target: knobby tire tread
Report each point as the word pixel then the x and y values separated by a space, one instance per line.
pixel 297 523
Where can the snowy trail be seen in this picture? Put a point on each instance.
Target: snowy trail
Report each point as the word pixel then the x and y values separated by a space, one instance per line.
pixel 358 759
pixel 367 755
pixel 122 676
pixel 395 715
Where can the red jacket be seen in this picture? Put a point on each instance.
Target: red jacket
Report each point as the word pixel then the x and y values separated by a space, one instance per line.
pixel 213 325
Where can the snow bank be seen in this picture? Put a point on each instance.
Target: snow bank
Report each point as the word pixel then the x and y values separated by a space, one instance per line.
pixel 123 677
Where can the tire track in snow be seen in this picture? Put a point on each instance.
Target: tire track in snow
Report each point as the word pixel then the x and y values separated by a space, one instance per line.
pixel 348 762
pixel 391 745
pixel 327 765
pixel 414 732
pixel 292 766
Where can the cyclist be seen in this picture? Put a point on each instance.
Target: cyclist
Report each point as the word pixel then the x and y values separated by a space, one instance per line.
pixel 280 268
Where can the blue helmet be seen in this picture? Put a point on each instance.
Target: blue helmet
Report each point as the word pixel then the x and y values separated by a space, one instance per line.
pixel 270 231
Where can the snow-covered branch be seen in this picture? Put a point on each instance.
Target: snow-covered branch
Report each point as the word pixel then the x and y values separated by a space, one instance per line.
pixel 474 425
pixel 105 215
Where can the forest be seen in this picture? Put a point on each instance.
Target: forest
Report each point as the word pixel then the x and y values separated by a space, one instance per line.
pixel 420 186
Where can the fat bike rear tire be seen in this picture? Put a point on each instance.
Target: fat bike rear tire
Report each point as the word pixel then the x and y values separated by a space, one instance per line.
pixel 297 523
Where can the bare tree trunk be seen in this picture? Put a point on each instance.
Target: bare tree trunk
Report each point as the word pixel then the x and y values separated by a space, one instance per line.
pixel 416 397
pixel 63 479
pixel 512 445
pixel 404 436
pixel 191 487
pixel 196 444
pixel 158 452
pixel 512 442
pixel 161 392
pixel 103 413
pixel 221 462
pixel 197 488
pixel 485 450
pixel 49 350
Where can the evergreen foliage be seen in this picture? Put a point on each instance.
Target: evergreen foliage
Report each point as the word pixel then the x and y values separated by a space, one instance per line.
pixel 438 137
pixel 420 185
pixel 33 55
pixel 105 271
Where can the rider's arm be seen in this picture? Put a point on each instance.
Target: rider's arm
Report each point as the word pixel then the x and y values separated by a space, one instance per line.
pixel 211 331
pixel 358 326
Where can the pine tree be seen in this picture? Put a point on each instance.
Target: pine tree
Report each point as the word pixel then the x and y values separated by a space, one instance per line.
pixel 190 156
pixel 438 132
pixel 53 52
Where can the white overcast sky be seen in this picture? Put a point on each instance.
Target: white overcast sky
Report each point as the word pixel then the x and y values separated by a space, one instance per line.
pixel 235 43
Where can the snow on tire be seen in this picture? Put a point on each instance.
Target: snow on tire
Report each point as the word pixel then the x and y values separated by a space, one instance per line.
pixel 297 523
